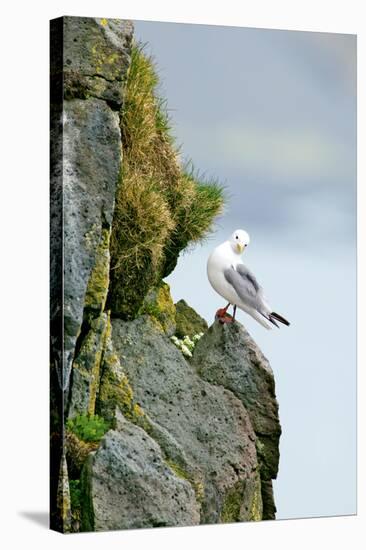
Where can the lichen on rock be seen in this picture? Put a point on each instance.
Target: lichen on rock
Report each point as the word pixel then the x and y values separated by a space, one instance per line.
pixel 188 321
pixel 228 356
pixel 159 305
pixel 207 422
pixel 97 289
pixel 91 162
pixel 86 368
pixel 127 484
pixel 115 391
pixel 77 452
pixel 63 497
pixel 96 57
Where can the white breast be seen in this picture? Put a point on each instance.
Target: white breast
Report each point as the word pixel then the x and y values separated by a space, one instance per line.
pixel 219 260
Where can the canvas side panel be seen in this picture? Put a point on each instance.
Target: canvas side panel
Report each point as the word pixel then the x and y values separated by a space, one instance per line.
pixel 56 275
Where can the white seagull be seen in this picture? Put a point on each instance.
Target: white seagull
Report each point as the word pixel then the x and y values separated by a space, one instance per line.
pixel 234 282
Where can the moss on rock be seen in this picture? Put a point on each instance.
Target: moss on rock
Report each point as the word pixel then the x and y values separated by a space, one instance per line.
pixel 188 322
pixel 158 304
pixel 63 497
pixel 86 369
pixel 196 484
pixel 243 502
pixel 97 289
pixel 76 504
pixel 77 452
pixel 230 512
pixel 256 508
pixel 115 390
pixel 96 53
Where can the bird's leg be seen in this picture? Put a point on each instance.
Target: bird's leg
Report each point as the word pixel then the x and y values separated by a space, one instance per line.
pixel 222 316
pixel 233 317
pixel 222 311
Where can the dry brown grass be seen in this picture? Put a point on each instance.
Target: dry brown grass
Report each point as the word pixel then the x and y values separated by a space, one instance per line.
pixel 160 207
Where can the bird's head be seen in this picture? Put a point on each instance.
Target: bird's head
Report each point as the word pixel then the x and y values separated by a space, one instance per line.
pixel 239 240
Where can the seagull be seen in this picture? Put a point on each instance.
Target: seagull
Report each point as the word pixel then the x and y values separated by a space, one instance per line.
pixel 230 278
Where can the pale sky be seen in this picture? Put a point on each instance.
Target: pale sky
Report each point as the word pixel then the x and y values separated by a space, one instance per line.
pixel 272 115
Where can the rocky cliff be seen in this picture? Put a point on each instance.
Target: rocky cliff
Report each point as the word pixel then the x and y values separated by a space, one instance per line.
pixel 156 419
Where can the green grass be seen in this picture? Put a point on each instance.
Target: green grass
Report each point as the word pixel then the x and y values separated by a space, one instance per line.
pixel 161 206
pixel 75 494
pixel 88 428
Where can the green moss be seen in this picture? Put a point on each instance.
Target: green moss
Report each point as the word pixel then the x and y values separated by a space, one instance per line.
pixel 243 501
pixel 77 451
pixel 75 495
pixel 105 61
pixel 230 512
pixel 178 470
pixel 87 510
pixel 63 497
pixel 256 506
pixel 94 383
pixel 86 368
pixel 97 289
pixel 88 427
pixel 115 389
pixel 188 322
pixel 158 304
pixel 197 485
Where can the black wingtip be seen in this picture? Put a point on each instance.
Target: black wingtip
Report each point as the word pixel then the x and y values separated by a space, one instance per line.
pixel 280 318
pixel 270 318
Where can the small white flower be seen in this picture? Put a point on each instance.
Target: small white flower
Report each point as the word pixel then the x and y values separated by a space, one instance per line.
pixel 188 343
pixel 186 351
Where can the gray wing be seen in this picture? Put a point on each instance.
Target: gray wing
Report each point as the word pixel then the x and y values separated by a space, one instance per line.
pixel 245 285
pixel 246 273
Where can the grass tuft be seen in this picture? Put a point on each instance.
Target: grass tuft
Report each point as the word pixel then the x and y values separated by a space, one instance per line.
pixel 89 428
pixel 161 206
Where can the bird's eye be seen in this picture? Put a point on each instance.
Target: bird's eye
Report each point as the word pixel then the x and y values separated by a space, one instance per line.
pixel 237 237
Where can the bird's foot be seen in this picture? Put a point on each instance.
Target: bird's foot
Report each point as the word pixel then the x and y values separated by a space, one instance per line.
pixel 223 317
pixel 227 319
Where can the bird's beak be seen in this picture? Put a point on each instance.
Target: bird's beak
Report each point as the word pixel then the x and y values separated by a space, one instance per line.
pixel 240 248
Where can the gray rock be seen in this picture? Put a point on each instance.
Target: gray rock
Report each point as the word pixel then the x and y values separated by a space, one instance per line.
pixel 86 369
pixel 269 506
pixel 89 59
pixel 228 356
pixel 207 421
pixel 91 164
pixel 159 304
pixel 63 497
pixel 127 484
pixel 96 57
pixel 97 289
pixel 116 395
pixel 188 321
